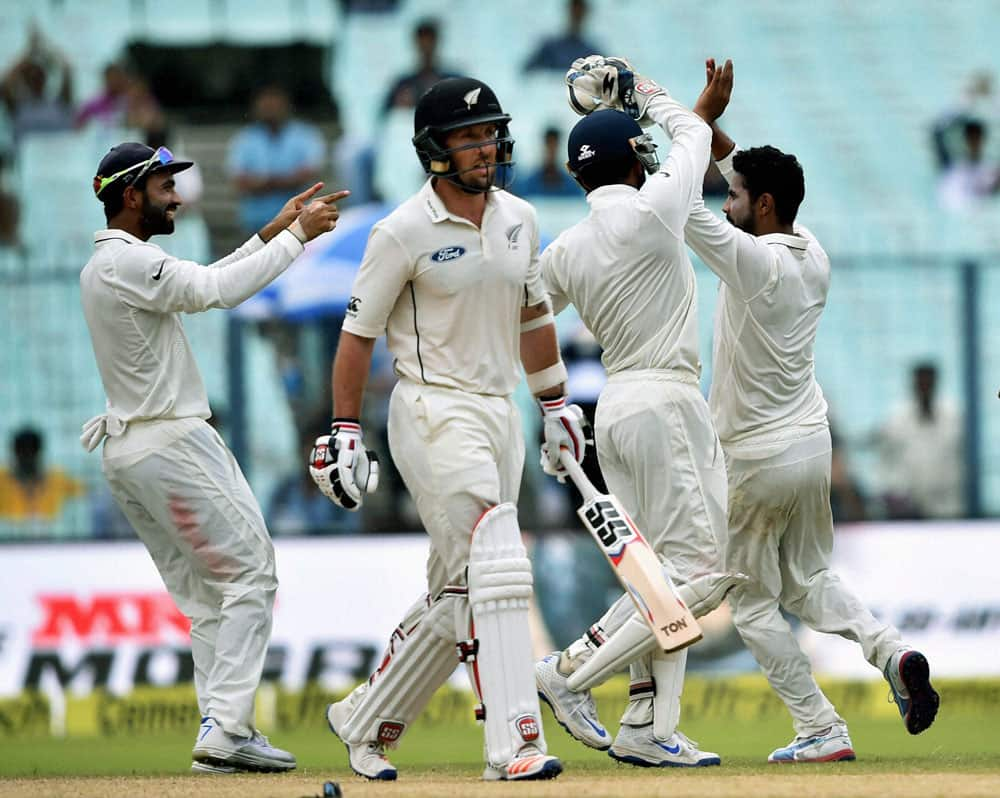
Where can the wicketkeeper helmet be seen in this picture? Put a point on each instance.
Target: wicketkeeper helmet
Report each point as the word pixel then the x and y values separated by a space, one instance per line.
pixel 603 145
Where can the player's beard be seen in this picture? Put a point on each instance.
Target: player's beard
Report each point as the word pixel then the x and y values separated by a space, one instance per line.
pixel 471 181
pixel 154 220
pixel 746 225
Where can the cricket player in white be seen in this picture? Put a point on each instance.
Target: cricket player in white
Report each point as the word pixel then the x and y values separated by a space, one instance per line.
pixel 626 270
pixel 452 278
pixel 772 420
pixel 168 470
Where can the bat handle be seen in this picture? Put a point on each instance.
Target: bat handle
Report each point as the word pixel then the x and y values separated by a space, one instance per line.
pixel 583 484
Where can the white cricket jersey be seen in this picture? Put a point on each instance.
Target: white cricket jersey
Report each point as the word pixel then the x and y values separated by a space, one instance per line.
pixel 447 294
pixel 773 291
pixel 625 267
pixel 133 292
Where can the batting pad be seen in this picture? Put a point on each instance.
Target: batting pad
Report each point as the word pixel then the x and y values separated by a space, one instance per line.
pixel 419 658
pixel 502 668
pixel 633 639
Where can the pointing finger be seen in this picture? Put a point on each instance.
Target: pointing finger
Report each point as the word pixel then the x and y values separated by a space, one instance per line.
pixel 309 192
pixel 334 197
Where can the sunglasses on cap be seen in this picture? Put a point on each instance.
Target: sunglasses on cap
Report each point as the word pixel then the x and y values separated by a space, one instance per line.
pixel 161 157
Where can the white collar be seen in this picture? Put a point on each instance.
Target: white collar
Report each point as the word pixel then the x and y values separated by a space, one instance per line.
pixel 113 233
pixel 609 195
pixel 790 241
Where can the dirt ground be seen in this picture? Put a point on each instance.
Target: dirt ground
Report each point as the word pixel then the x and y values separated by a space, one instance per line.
pixel 783 783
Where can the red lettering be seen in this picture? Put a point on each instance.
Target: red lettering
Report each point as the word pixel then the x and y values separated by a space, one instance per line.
pixel 114 617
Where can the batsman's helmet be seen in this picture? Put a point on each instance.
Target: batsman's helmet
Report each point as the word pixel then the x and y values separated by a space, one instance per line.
pixel 603 146
pixel 455 103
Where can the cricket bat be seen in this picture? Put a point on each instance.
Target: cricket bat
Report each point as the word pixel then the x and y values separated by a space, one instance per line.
pixel 635 564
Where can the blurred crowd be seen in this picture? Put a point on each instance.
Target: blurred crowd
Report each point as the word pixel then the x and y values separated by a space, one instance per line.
pixel 919 448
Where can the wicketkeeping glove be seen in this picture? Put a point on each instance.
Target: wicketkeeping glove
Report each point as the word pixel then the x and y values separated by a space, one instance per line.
pixel 341 466
pixel 599 82
pixel 563 426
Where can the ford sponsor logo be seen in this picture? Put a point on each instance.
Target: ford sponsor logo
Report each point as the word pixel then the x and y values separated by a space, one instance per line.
pixel 448 253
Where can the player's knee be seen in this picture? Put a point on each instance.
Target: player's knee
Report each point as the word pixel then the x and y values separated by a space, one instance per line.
pixel 752 610
pixel 498 564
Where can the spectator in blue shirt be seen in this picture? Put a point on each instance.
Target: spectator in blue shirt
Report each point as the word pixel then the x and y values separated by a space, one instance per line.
pixel 272 158
pixel 551 178
pixel 558 52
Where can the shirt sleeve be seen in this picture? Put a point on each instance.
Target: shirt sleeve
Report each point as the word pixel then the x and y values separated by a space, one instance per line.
pixel 385 270
pixel 557 296
pixel 253 244
pixel 534 288
pixel 147 278
pixel 741 260
pixel 671 191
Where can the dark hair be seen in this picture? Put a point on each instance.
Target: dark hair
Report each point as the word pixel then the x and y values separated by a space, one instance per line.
pixel 974 127
pixel 608 172
pixel 767 170
pixel 27 438
pixel 426 27
pixel 113 198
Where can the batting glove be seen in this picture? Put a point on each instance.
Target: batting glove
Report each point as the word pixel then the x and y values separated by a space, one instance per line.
pixel 341 466
pixel 564 427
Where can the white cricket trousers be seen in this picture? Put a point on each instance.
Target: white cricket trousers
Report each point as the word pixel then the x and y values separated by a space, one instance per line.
pixel 459 454
pixel 781 535
pixel 189 503
pixel 661 457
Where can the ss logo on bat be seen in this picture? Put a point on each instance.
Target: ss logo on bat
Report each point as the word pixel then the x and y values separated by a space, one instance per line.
pixel 605 520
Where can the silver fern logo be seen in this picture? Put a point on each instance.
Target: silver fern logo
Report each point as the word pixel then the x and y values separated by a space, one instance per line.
pixel 513 233
pixel 472 97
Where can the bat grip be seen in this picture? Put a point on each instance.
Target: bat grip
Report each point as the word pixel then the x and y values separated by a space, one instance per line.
pixel 583 484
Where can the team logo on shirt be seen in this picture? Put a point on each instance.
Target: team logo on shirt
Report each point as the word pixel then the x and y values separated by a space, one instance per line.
pixel 447 253
pixel 353 304
pixel 159 273
pixel 513 233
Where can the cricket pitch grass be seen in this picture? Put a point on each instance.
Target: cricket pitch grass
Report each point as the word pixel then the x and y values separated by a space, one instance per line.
pixel 958 757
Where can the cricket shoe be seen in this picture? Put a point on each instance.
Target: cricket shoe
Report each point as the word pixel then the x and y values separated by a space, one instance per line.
pixel 636 745
pixel 529 764
pixel 205 767
pixel 216 747
pixel 831 745
pixel 575 712
pixel 909 678
pixel 366 759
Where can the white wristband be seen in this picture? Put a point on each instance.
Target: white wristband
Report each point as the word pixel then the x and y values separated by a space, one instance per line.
pixel 296 230
pixel 550 377
pixel 542 321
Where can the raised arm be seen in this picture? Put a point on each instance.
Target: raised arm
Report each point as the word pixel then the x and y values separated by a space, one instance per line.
pixel 597 82
pixel 158 282
pixel 738 258
pixel 673 189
